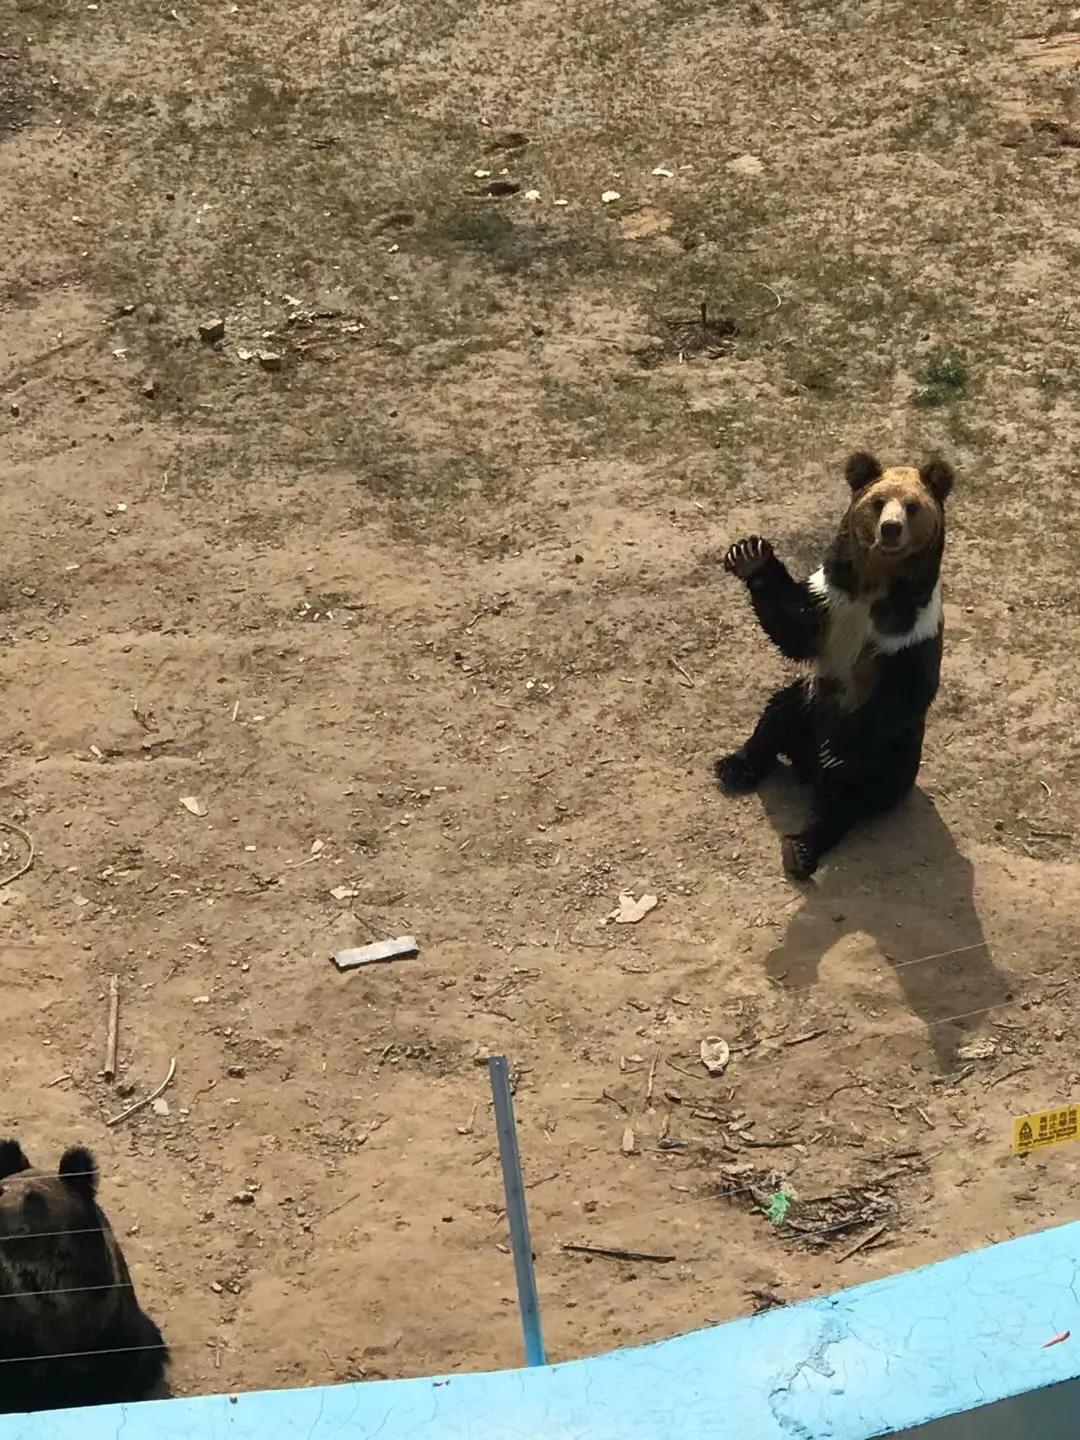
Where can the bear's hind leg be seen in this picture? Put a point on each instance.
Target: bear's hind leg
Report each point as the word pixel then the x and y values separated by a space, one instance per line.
pixel 834 809
pixel 841 799
pixel 779 730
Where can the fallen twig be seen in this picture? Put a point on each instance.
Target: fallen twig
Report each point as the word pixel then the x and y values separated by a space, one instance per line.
pixel 820 1231
pixel 109 1068
pixel 652 1078
pixel 147 1100
pixel 298 864
pixel 867 1239
pixel 691 682
pixel 764 1144
pixel 688 1073
pixel 955 1078
pixel 612 1252
pixel 760 285
pixel 30 852
pixel 1000 1079
pixel 802 1039
pixel 340 1206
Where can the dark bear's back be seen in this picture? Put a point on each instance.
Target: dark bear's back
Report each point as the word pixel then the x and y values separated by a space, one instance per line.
pixel 71 1329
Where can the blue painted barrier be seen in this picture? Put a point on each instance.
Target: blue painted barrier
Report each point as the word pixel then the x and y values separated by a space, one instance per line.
pixel 950 1352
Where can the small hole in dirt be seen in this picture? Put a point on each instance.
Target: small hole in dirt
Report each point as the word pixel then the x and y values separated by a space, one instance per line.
pixel 499 189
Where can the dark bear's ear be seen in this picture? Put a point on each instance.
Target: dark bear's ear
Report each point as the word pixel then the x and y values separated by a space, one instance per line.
pixel 862 469
pixel 12 1159
pixel 937 476
pixel 78 1168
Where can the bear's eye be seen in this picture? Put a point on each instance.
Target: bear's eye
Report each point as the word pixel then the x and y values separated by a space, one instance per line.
pixel 879 505
pixel 911 508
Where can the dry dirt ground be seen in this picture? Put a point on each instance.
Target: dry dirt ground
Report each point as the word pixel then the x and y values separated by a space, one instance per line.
pixel 431 615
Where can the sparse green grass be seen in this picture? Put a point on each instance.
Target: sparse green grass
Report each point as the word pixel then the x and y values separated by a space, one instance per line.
pixel 943 379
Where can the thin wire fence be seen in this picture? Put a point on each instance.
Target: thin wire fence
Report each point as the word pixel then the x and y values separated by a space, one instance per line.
pixel 87 1354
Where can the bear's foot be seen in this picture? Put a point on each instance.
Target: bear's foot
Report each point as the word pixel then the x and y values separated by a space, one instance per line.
pixel 799 856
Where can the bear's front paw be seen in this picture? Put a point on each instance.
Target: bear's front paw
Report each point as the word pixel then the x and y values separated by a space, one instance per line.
pixel 748 558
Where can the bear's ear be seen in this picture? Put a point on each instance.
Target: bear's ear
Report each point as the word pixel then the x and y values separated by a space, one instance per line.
pixel 12 1159
pixel 78 1168
pixel 937 476
pixel 862 469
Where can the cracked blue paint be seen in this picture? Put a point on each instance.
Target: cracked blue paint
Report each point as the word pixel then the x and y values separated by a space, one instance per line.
pixel 912 1356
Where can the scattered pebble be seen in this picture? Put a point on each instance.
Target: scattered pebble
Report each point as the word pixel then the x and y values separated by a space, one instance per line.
pixel 610 196
pixel 344 892
pixel 630 911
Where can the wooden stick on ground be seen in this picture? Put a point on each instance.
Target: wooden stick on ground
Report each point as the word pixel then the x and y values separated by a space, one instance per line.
pixel 21 870
pixel 109 1068
pixel 867 1239
pixel 651 1084
pixel 149 1099
pixel 612 1252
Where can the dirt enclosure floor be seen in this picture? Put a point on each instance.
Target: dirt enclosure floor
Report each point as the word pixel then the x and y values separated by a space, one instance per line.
pixel 397 611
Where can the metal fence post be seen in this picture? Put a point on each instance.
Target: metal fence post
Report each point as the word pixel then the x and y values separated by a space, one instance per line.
pixel 520 1243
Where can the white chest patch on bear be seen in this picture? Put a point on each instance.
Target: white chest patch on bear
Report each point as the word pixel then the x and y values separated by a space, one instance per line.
pixel 852 640
pixel 846 657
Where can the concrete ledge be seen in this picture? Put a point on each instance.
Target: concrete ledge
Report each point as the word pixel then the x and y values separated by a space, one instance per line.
pixel 950 1352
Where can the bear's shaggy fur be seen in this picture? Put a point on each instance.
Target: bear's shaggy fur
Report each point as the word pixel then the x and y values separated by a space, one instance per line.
pixel 868 624
pixel 71 1330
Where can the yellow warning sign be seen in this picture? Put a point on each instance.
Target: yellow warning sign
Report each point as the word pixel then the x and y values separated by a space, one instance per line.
pixel 1045 1127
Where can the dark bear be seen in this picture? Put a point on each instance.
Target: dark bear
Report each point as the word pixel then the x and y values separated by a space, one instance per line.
pixel 869 625
pixel 71 1330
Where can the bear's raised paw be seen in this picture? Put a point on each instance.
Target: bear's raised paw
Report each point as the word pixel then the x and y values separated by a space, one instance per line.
pixel 749 557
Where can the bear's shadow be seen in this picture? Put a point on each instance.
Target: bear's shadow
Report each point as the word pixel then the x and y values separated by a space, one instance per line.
pixel 901 880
